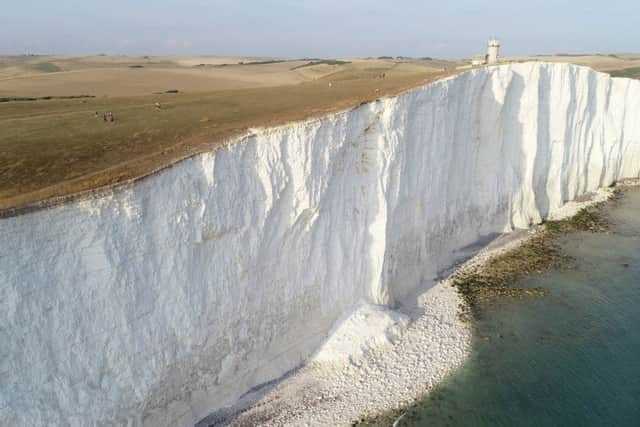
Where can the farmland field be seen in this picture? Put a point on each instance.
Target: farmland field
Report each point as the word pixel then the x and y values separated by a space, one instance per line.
pixel 55 141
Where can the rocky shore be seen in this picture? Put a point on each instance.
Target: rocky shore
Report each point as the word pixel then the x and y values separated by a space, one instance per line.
pixel 380 383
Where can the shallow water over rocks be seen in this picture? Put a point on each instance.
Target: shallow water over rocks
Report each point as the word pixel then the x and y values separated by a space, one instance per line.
pixel 569 358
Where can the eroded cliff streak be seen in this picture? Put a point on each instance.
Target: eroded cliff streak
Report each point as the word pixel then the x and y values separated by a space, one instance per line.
pixel 168 300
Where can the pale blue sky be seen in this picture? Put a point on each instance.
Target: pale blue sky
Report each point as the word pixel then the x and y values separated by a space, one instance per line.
pixel 322 28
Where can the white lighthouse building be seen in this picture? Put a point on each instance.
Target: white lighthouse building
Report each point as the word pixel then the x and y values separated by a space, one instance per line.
pixel 493 50
pixel 492 55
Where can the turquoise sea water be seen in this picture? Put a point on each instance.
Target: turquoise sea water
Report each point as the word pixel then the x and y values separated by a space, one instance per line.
pixel 571 358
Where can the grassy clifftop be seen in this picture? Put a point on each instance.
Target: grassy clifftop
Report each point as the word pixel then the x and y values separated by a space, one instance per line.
pixel 61 145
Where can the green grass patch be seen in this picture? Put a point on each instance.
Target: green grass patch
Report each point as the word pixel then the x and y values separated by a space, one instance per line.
pixel 630 73
pixel 321 62
pixel 265 62
pixel 41 98
pixel 46 67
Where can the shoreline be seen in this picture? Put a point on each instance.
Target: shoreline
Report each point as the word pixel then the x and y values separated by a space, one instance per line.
pixel 371 386
pixel 342 389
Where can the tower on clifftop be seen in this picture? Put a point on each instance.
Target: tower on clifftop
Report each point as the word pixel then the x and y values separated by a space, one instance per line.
pixel 493 49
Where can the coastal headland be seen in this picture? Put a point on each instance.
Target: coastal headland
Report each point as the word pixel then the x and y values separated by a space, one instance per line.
pixel 162 302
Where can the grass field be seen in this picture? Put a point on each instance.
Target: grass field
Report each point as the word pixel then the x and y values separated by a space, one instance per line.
pixel 630 73
pixel 599 62
pixel 60 145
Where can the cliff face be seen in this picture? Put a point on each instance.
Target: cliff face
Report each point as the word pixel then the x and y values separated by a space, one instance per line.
pixel 166 301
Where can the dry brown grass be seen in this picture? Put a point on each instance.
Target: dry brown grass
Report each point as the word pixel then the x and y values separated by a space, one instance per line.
pixel 117 80
pixel 603 62
pixel 58 147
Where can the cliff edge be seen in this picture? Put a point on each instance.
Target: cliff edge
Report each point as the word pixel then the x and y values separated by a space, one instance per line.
pixel 160 303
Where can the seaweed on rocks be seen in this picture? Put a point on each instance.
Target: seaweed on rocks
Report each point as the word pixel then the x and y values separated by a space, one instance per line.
pixel 498 276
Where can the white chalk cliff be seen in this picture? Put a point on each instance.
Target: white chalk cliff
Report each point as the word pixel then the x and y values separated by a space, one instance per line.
pixel 165 301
